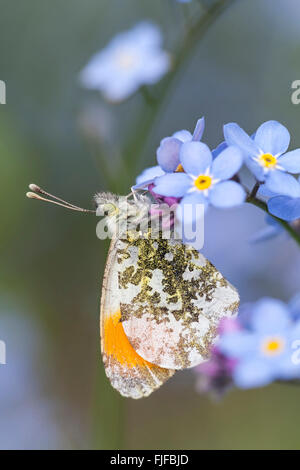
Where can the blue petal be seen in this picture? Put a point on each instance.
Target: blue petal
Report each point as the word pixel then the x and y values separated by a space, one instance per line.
pixel 270 316
pixel 235 135
pixel 294 306
pixel 222 146
pixel 272 137
pixel 265 192
pixel 117 90
pixel 227 194
pixel 252 373
pixel 199 129
pixel 290 161
pixel 286 369
pixel 282 183
pixel 149 174
pixel 284 207
pixel 227 164
pixel 172 184
pixel 153 66
pixel 295 330
pixel 238 344
pixel 145 34
pixel 168 154
pixel 195 157
pixel 183 135
pixel 256 169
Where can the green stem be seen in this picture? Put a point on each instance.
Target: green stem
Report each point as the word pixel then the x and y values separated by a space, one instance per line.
pixel 263 206
pixel 147 96
pixel 108 416
pixel 185 50
pixel 186 13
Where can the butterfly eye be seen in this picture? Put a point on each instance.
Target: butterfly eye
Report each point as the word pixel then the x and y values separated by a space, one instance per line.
pixel 106 210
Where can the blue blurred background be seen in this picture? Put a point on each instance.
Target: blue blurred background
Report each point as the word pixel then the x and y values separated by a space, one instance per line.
pixel 53 392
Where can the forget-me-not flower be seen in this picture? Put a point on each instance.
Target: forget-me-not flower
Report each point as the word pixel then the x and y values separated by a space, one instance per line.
pixel 168 154
pixel 265 155
pixel 264 347
pixel 204 181
pixel 148 175
pixel 133 58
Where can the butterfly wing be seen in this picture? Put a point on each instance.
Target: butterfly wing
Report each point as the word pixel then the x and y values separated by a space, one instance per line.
pixel 172 300
pixel 127 371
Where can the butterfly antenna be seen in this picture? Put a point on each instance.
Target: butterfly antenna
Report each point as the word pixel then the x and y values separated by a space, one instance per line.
pixel 38 193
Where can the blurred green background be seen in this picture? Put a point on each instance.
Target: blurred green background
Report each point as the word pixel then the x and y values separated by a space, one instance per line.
pixel 53 392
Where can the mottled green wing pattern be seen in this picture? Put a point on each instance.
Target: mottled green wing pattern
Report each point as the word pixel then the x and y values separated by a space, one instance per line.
pixel 171 300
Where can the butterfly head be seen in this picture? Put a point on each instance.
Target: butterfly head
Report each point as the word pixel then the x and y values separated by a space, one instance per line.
pixel 118 211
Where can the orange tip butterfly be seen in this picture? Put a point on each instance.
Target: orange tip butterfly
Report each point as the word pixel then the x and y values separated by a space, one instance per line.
pixel 161 300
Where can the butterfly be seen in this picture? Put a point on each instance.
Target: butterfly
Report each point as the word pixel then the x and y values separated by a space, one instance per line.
pixel 161 299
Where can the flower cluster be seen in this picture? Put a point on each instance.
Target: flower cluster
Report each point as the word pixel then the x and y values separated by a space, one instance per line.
pixel 262 345
pixel 188 172
pixel 132 59
pixel 193 174
pixel 267 158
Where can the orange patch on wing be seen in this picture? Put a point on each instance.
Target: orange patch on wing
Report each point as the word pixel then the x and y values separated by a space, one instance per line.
pixel 117 345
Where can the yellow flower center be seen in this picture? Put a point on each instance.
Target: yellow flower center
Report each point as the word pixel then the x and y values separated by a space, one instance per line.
pixel 273 346
pixel 203 182
pixel 268 160
pixel 179 169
